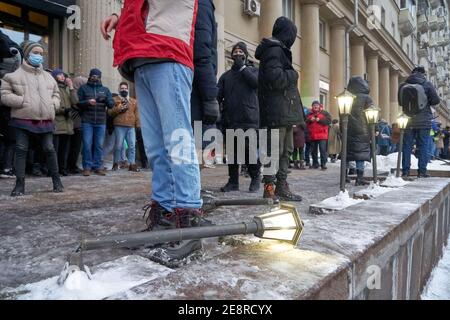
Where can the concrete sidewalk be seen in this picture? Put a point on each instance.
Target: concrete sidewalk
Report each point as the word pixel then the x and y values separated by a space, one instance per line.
pixel 39 230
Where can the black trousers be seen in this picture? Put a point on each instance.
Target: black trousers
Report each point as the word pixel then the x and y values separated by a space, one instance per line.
pixel 251 153
pixel 23 139
pixel 62 147
pixel 322 146
pixel 74 149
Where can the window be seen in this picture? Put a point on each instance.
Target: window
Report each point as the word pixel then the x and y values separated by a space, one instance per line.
pixel 393 29
pixel 323 99
pixel 288 9
pixel 323 35
pixel 383 17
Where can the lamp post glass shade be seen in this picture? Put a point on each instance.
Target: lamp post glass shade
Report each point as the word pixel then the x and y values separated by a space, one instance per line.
pixel 283 224
pixel 372 114
pixel 345 102
pixel 402 121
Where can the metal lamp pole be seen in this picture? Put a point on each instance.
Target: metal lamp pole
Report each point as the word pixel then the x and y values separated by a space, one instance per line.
pixel 344 122
pixel 400 152
pixel 374 154
pixel 402 122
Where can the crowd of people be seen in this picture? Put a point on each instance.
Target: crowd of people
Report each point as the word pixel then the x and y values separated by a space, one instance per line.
pixel 47 117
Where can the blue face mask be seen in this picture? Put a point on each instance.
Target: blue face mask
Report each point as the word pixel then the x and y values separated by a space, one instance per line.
pixel 35 59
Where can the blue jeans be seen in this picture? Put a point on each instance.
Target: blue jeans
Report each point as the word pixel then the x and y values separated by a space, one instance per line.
pixel 129 134
pixel 360 165
pixel 93 138
pixel 422 139
pixel 431 148
pixel 164 92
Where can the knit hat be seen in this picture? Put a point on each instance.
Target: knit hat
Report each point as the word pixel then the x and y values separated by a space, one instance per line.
pixel 242 46
pixel 57 72
pixel 95 72
pixel 27 46
pixel 315 102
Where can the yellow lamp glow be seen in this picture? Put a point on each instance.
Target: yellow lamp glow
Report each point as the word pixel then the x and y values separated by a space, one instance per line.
pixel 372 114
pixel 402 121
pixel 345 102
pixel 283 224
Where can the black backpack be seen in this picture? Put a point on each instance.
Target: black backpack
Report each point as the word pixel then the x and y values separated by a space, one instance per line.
pixel 412 98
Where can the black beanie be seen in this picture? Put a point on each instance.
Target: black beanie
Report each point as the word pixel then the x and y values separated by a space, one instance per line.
pixel 241 45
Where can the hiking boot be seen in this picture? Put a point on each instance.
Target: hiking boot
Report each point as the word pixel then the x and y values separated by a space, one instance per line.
pixel 134 168
pixel 283 192
pixel 123 164
pixel 100 172
pixel 57 184
pixel 230 187
pixel 360 179
pixel 351 172
pixel 177 254
pixel 86 172
pixel 154 216
pixel 269 191
pixel 255 184
pixel 115 167
pixel 19 189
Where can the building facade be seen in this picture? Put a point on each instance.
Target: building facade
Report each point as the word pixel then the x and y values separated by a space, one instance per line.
pixel 392 37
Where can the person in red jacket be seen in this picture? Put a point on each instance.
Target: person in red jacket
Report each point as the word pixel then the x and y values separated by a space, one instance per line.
pixel 318 122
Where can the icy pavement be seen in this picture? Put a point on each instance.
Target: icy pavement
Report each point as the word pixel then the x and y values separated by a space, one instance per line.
pixel 438 287
pixel 38 231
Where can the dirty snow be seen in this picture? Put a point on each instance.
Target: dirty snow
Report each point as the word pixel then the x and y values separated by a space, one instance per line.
pixel 438 287
pixel 374 190
pixel 107 279
pixel 339 202
pixel 393 182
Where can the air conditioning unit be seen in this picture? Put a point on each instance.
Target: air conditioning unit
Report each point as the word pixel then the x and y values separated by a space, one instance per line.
pixel 252 8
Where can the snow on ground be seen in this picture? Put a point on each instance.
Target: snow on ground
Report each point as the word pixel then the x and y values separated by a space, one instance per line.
pixel 393 182
pixel 374 190
pixel 339 202
pixel 438 287
pixel 107 279
pixel 390 162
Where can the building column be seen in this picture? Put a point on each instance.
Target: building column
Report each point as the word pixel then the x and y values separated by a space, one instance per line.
pixel 372 70
pixel 91 50
pixel 384 93
pixel 337 65
pixel 271 10
pixel 310 52
pixel 220 19
pixel 357 58
pixel 394 95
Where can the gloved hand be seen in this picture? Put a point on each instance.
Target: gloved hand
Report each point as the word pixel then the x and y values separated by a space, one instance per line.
pixel 210 112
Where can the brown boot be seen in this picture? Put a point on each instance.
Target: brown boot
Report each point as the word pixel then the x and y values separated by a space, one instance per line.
pixel 100 172
pixel 123 164
pixel 269 191
pixel 284 193
pixel 86 172
pixel 134 168
pixel 115 167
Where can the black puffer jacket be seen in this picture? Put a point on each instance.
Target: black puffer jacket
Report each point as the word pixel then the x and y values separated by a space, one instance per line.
pixel 204 87
pixel 279 100
pixel 238 94
pixel 358 148
pixel 423 119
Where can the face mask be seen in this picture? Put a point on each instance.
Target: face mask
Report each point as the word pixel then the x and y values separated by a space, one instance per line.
pixel 124 93
pixel 35 59
pixel 239 56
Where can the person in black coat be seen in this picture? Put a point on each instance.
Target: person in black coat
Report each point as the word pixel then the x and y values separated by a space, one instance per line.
pixel 279 101
pixel 238 95
pixel 358 141
pixel 204 105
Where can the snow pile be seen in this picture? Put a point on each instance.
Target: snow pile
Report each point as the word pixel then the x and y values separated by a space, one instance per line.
pixel 339 202
pixel 109 278
pixel 438 287
pixel 393 182
pixel 373 191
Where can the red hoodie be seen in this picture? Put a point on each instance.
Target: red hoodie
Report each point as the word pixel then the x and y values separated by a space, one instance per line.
pixel 160 29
